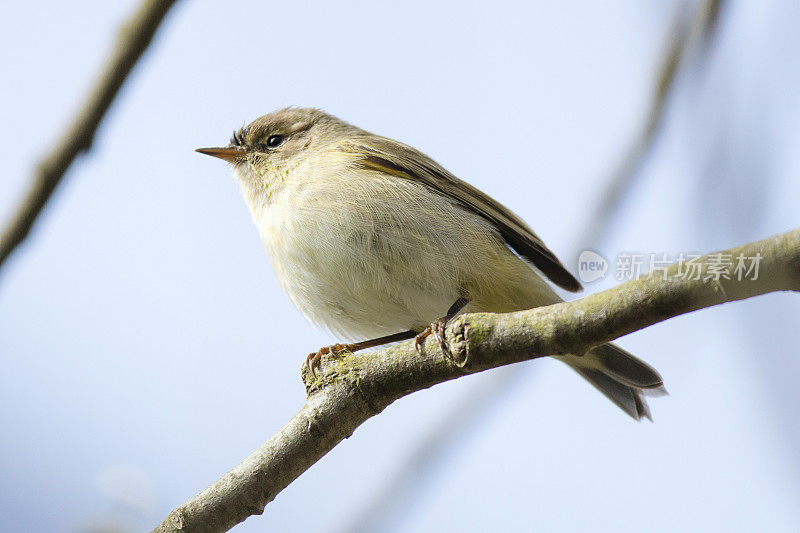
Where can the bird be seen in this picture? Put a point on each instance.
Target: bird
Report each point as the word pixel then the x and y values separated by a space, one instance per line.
pixel 375 241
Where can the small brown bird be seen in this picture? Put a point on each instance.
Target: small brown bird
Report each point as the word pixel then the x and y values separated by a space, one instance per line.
pixel 377 242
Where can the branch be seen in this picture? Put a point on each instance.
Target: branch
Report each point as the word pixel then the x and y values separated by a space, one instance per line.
pixel 350 389
pixel 133 39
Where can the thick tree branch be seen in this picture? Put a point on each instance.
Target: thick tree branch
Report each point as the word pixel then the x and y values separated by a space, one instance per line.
pixel 351 388
pixel 134 37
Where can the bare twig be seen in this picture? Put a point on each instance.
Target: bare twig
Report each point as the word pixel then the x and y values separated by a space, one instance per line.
pixel 351 388
pixel 134 37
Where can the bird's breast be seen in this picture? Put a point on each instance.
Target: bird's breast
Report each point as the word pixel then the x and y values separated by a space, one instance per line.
pixel 363 259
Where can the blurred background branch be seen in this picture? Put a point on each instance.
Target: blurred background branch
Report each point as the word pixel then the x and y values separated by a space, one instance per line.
pixel 134 38
pixel 689 33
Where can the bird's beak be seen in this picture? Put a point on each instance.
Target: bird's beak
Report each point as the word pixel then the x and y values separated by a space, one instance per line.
pixel 231 155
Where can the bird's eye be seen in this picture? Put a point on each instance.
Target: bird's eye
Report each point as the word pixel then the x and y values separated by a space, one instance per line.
pixel 274 140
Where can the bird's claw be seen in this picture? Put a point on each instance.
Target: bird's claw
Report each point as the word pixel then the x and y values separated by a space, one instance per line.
pixel 315 358
pixel 437 329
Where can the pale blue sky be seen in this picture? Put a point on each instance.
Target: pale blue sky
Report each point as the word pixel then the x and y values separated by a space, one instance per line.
pixel 147 348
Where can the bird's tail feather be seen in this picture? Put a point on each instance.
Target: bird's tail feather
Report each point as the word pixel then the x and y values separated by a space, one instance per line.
pixel 621 377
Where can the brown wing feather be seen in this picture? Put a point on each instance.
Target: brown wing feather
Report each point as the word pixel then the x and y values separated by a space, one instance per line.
pixel 387 155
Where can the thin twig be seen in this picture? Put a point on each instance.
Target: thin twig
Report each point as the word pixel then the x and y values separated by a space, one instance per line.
pixel 133 39
pixel 349 389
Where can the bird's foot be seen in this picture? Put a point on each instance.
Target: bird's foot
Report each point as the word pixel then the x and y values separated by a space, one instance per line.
pixel 314 358
pixel 437 330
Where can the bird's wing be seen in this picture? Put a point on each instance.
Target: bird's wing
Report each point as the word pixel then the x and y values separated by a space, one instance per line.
pixel 392 157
